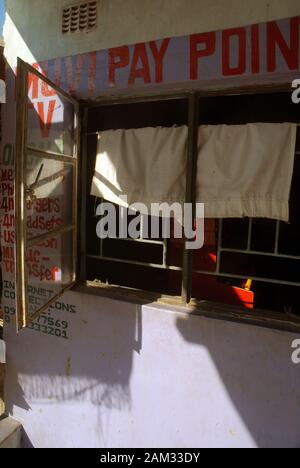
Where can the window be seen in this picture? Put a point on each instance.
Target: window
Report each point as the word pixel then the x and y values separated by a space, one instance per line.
pixel 251 265
pixel 46 196
pixel 107 260
pixel 257 254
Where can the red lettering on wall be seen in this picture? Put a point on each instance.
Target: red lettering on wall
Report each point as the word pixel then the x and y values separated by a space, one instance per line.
pixel 45 124
pixel 140 55
pixel 73 78
pixel 240 69
pixel 33 82
pixel 8 253
pixel 276 39
pixel 209 42
pixel 47 91
pixel 117 58
pixel 255 58
pixel 158 55
pixel 92 72
pixel 57 72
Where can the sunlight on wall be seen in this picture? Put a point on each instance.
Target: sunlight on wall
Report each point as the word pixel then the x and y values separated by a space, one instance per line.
pixel 15 46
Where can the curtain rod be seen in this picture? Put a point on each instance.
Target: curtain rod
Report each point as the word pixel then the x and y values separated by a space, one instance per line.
pixel 99 132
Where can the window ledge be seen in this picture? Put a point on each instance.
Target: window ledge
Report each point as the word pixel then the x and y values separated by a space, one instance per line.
pixel 257 317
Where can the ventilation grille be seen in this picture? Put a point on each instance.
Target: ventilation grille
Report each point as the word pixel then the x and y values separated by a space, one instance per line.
pixel 81 17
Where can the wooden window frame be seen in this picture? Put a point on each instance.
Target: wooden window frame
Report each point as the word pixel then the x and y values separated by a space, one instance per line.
pixel 23 319
pixel 190 197
pixel 257 317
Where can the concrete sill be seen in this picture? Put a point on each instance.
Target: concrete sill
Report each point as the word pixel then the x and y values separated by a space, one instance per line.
pixel 10 433
pixel 260 318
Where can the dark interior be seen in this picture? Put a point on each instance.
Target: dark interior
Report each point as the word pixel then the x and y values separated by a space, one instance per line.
pixel 238 109
pixel 126 116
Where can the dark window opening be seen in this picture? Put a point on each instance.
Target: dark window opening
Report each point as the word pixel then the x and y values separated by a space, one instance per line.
pixel 248 263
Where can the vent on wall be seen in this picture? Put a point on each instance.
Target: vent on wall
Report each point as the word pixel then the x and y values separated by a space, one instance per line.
pixel 80 17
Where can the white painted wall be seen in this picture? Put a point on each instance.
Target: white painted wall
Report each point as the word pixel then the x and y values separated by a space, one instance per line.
pixel 150 376
pixel 32 26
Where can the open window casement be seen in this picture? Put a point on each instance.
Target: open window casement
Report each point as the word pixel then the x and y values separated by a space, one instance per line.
pixel 47 146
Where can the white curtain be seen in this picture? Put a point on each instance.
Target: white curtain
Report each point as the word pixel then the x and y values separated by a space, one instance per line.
pixel 243 170
pixel 246 170
pixel 147 165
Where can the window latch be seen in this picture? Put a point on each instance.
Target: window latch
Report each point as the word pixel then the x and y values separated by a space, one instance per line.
pixel 30 190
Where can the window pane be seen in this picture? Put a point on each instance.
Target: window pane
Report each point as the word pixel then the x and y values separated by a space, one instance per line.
pixel 50 269
pixel 155 280
pixel 250 265
pixel 50 119
pixel 49 195
pixel 130 116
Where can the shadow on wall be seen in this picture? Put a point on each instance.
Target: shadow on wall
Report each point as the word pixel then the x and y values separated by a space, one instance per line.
pixel 258 376
pixel 25 441
pixel 93 367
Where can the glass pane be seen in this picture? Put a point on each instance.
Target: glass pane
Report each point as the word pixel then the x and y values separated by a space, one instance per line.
pixel 49 187
pixel 50 267
pixel 50 119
